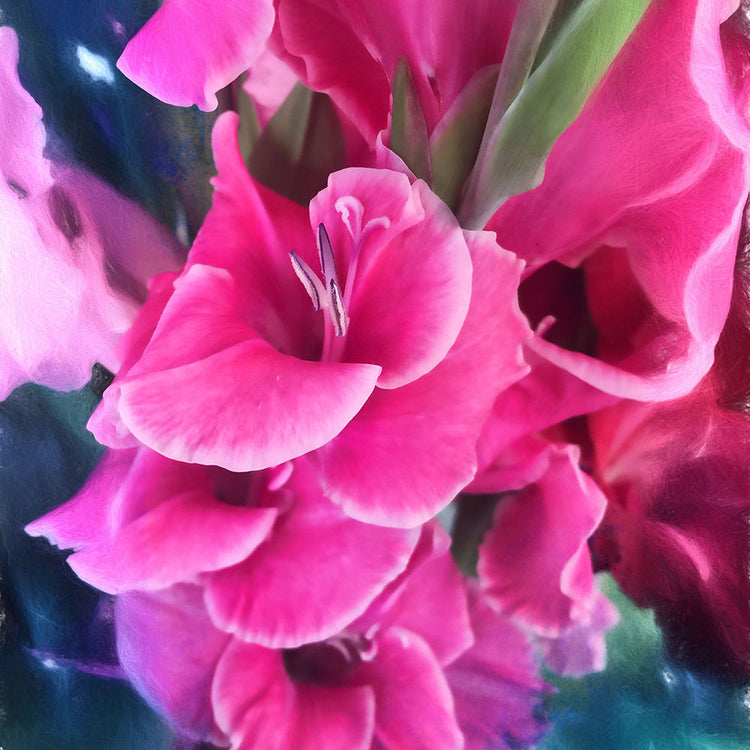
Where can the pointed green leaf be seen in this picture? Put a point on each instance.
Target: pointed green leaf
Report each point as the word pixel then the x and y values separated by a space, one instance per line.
pixel 513 154
pixel 301 145
pixel 408 127
pixel 456 139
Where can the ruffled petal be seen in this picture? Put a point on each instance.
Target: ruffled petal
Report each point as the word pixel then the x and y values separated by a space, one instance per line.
pixel 534 562
pixel 414 706
pixel 290 591
pixel 410 450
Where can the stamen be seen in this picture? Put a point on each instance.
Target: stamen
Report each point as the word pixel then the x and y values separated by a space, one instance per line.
pixel 327 260
pixel 338 311
pixel 309 280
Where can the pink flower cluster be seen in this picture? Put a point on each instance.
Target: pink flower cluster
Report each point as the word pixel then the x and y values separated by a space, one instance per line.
pixel 294 406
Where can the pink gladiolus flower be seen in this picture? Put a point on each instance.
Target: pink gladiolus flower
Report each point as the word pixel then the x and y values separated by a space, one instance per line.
pixel 190 49
pixel 268 546
pixel 534 563
pixel 385 680
pixel 71 279
pixel 380 353
pixel 644 193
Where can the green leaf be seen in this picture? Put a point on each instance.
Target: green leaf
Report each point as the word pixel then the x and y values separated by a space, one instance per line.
pixel 456 139
pixel 409 138
pixel 301 145
pixel 516 146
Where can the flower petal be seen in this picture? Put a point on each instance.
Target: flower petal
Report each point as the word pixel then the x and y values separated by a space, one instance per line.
pixel 230 399
pixel 534 562
pixel 290 591
pixel 414 706
pixel 190 49
pixel 410 450
pixel 258 707
pixel 169 650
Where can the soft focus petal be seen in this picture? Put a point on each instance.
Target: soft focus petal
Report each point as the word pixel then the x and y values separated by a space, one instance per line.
pixel 534 562
pixel 582 649
pixel 290 591
pixel 190 49
pixel 350 50
pixel 169 650
pixel 22 163
pixel 496 684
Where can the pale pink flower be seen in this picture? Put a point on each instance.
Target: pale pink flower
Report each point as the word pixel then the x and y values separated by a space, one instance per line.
pixel 74 253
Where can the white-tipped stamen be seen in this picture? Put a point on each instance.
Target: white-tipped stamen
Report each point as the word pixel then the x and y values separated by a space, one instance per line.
pixel 338 311
pixel 309 280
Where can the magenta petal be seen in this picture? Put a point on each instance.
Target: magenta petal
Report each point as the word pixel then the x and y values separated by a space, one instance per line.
pixel 534 562
pixel 414 706
pixel 407 307
pixel 190 49
pixel 496 684
pixel 258 707
pixel 86 519
pixel 230 399
pixel 186 535
pixel 432 603
pixel 410 450
pixel 290 591
pixel 169 650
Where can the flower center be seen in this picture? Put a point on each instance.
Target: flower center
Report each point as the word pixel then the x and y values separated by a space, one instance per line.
pixel 326 294
pixel 326 663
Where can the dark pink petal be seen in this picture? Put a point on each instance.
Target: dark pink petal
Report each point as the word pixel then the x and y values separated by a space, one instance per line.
pixel 291 591
pixel 414 706
pixel 169 650
pixel 190 49
pixel 496 684
pixel 676 474
pixel 86 519
pixel 258 707
pixel 350 50
pixel 187 534
pixel 406 307
pixel 534 562
pixel 249 231
pixel 431 602
pixel 655 153
pixel 409 451
pixel 22 164
pixel 230 399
